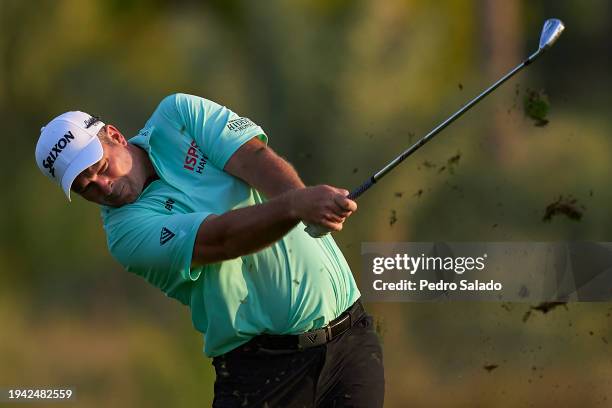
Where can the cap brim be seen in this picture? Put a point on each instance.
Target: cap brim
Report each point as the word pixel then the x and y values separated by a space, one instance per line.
pixel 89 155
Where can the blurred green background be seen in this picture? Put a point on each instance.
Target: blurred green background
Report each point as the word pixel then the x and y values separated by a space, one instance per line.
pixel 341 87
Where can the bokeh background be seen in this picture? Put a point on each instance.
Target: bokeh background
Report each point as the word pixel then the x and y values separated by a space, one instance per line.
pixel 341 87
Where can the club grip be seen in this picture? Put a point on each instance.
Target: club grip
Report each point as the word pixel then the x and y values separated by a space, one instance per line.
pixel 316 231
pixel 362 188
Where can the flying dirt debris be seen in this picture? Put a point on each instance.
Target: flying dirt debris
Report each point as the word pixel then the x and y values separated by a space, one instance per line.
pixel 490 367
pixel 564 205
pixel 392 218
pixel 536 106
pixel 429 165
pixel 453 161
pixel 450 165
pixel 543 308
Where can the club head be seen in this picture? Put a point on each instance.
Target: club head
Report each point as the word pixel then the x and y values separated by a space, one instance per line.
pixel 550 32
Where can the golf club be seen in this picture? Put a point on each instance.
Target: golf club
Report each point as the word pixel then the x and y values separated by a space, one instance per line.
pixel 550 33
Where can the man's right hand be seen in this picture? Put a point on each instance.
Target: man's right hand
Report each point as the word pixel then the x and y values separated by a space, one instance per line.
pixel 322 205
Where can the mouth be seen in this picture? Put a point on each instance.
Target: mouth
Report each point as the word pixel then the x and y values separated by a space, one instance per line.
pixel 114 197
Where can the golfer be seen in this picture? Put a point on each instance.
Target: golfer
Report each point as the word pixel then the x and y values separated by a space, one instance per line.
pixel 200 207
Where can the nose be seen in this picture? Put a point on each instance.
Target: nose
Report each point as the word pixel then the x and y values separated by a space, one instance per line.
pixel 105 185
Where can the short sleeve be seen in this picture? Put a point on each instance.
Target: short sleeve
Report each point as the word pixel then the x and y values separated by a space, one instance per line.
pixel 158 247
pixel 217 130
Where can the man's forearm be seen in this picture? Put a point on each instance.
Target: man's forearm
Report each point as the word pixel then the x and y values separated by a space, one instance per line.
pixel 276 176
pixel 244 230
pixel 249 229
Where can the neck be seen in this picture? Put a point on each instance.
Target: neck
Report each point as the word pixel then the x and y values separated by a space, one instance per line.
pixel 142 160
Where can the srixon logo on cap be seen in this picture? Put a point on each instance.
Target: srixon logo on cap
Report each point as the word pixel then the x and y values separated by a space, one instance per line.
pixel 56 150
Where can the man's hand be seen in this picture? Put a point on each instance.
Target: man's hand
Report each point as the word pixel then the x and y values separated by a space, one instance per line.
pixel 323 205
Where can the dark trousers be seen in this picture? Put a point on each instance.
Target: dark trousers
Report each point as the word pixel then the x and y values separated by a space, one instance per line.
pixel 345 372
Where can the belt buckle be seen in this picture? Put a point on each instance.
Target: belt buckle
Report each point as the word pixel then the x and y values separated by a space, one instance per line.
pixel 312 338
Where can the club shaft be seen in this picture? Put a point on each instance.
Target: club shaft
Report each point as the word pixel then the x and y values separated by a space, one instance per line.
pixel 382 172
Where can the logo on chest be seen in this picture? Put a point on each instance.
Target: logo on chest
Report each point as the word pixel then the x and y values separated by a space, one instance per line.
pixel 165 236
pixel 169 204
pixel 195 160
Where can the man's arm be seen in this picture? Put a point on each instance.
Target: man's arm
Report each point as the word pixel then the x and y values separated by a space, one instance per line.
pixel 247 230
pixel 259 166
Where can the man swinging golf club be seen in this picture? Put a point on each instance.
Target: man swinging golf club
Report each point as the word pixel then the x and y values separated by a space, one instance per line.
pixel 200 207
pixel 182 206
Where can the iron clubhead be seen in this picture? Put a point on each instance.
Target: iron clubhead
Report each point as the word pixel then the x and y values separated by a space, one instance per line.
pixel 550 32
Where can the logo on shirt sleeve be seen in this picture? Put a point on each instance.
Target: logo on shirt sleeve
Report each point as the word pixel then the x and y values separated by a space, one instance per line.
pixel 239 124
pixel 166 235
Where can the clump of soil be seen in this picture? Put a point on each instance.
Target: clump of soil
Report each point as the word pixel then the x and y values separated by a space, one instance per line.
pixel 536 106
pixel 546 307
pixel 567 206
pixel 452 161
pixel 392 218
pixel 543 308
pixel 490 367
pixel 450 165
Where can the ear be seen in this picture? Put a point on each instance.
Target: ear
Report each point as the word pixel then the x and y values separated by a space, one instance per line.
pixel 115 135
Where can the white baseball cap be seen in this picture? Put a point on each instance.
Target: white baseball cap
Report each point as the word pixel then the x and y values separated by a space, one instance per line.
pixel 68 145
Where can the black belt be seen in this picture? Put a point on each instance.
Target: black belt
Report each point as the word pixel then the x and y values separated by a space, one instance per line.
pixel 315 337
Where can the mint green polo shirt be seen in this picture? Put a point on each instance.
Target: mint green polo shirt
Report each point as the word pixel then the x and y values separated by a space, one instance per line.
pixel 297 284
